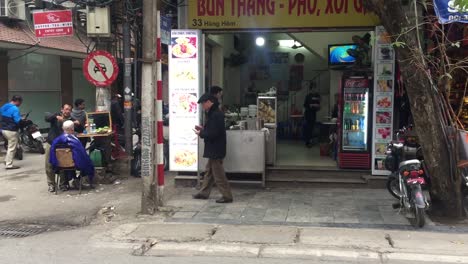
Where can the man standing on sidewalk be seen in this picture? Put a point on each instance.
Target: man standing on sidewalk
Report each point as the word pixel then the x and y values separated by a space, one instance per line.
pixel 11 118
pixel 56 122
pixel 214 135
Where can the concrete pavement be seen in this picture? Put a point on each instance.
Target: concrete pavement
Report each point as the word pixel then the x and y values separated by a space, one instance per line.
pixel 288 242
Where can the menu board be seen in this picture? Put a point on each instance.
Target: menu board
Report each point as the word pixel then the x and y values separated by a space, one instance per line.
pixel 184 91
pixel 384 82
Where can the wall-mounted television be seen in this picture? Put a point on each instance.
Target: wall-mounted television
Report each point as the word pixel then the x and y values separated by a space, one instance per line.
pixel 338 55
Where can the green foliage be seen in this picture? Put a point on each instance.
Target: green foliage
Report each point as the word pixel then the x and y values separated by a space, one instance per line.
pixel 398 44
pixel 461 4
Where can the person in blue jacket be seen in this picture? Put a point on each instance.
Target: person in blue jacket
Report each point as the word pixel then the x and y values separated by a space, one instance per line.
pixel 11 118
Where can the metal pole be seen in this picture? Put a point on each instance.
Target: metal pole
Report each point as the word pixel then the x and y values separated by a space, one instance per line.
pixel 159 115
pixel 128 86
pixel 149 193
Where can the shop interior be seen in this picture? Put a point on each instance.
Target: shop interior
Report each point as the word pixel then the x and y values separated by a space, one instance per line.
pixel 286 66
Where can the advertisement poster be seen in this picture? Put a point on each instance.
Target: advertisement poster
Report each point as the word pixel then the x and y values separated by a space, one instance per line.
pixel 184 91
pixel 243 14
pixel 450 11
pixel 384 68
pixel 53 23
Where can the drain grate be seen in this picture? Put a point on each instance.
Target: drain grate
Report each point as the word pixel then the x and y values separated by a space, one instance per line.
pixel 19 232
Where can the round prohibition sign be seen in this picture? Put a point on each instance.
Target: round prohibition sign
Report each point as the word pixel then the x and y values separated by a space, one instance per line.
pixel 100 68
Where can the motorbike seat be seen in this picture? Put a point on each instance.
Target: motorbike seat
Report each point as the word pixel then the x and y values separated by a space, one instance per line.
pixel 398 145
pixel 462 164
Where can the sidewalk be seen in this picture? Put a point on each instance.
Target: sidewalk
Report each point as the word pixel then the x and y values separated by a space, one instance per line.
pixel 334 207
pixel 262 241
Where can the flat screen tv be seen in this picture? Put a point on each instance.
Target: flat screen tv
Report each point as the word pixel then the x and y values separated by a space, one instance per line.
pixel 338 55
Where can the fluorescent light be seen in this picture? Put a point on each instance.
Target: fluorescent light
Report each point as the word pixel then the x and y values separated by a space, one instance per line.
pixel 260 41
pixel 286 42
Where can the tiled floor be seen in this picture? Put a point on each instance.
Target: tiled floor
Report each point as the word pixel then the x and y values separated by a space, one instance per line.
pixel 329 207
pixel 295 153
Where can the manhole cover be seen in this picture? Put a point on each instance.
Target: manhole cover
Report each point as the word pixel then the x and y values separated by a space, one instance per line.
pixel 19 232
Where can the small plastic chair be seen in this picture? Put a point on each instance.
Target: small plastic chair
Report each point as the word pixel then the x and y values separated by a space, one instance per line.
pixel 65 160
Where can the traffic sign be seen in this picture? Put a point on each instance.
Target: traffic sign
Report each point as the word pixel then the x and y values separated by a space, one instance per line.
pixel 100 68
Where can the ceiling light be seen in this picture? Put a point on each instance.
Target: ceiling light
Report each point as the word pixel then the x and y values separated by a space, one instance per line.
pixel 286 42
pixel 260 41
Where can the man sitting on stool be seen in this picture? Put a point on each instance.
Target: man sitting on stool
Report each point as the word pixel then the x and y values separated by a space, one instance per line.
pixel 81 159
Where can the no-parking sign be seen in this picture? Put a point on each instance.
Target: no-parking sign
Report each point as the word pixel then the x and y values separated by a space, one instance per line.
pixel 100 68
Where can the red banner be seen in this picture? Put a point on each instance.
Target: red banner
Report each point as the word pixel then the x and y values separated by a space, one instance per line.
pixel 56 23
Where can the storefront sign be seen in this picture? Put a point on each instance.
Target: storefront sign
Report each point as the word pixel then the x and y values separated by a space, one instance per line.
pixel 100 68
pixel 255 14
pixel 384 82
pixel 184 91
pixel 53 23
pixel 449 11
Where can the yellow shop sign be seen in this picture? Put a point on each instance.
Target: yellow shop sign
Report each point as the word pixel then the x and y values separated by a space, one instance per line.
pixel 271 14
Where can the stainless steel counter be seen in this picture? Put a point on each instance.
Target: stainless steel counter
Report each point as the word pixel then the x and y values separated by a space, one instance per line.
pixel 245 153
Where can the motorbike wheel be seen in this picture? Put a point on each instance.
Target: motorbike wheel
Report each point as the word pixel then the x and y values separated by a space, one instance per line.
pixel 136 165
pixel 39 147
pixel 419 219
pixel 19 153
pixel 393 187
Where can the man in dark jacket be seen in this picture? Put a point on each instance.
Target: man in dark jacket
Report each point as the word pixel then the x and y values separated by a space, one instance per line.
pixel 79 113
pixel 56 122
pixel 11 117
pixel 214 135
pixel 311 106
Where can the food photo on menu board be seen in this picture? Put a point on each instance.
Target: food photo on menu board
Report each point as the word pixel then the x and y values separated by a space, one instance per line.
pixel 184 47
pixel 384 101
pixel 385 69
pixel 383 117
pixel 379 164
pixel 385 53
pixel 185 158
pixel 384 86
pixel 383 133
pixel 185 75
pixel 380 148
pixel 184 103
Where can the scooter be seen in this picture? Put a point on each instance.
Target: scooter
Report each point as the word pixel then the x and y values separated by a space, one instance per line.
pixel 412 199
pixel 29 136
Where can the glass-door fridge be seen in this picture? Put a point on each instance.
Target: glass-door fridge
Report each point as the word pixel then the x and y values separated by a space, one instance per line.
pixel 356 109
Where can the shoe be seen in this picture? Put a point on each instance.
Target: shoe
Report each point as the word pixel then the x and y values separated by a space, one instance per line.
pixel 224 200
pixel 199 196
pixel 12 167
pixel 76 183
pixel 64 188
pixel 51 188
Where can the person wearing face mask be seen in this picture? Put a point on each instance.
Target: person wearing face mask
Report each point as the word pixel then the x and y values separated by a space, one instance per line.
pixel 56 121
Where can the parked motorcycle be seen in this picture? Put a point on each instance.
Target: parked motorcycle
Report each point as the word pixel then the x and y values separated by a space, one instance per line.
pixel 29 136
pixel 407 148
pixel 408 177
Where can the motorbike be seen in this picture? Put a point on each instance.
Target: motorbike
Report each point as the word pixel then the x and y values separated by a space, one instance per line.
pixel 136 161
pixel 405 148
pixel 29 136
pixel 408 176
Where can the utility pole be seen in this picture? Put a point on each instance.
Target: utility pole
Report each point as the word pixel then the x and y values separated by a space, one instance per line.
pixel 127 81
pixel 149 199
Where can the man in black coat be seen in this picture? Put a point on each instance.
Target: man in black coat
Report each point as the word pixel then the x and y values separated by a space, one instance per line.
pixel 311 106
pixel 214 135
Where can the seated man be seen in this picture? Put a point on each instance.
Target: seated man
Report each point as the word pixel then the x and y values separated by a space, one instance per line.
pixel 81 159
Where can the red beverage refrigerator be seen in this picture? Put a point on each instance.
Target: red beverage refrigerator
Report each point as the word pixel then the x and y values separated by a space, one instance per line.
pixel 355 127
